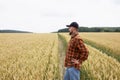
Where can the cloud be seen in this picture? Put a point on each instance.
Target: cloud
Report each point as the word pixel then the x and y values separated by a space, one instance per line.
pixel 117 2
pixel 51 15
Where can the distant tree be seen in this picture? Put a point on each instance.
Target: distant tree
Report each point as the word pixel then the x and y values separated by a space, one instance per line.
pixel 94 29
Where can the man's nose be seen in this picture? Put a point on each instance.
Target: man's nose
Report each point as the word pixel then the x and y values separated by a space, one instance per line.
pixel 69 29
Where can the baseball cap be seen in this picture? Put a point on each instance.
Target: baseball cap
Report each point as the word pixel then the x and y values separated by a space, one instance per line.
pixel 73 24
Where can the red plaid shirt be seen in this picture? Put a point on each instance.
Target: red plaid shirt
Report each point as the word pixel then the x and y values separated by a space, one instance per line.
pixel 76 50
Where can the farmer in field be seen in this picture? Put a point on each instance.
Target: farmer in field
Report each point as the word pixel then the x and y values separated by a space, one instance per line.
pixel 75 55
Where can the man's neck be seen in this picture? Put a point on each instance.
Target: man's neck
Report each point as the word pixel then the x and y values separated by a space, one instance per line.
pixel 74 34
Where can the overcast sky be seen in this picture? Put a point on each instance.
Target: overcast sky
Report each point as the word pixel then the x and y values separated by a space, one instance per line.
pixel 50 15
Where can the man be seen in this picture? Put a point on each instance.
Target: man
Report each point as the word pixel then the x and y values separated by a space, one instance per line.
pixel 76 53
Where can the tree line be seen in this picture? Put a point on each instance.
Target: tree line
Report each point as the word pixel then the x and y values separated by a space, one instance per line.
pixel 94 29
pixel 13 31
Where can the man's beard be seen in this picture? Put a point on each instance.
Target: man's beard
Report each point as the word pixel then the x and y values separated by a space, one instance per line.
pixel 70 33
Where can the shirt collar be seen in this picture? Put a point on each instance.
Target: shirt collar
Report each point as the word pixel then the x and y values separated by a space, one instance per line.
pixel 74 34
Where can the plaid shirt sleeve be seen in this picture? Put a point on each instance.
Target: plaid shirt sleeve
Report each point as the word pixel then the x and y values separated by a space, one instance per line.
pixel 83 54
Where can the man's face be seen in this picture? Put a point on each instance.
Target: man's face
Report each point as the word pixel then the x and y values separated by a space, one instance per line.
pixel 71 29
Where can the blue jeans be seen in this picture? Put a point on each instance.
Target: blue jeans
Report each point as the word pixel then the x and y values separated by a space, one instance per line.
pixel 72 73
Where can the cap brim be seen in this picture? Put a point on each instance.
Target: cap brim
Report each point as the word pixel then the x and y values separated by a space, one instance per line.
pixel 67 25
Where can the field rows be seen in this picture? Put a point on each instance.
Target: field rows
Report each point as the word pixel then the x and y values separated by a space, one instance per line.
pixel 99 66
pixel 41 57
pixel 29 57
pixel 110 40
pixel 106 42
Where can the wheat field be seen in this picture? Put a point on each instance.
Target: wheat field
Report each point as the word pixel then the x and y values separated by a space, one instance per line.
pixel 99 66
pixel 29 57
pixel 109 40
pixel 33 56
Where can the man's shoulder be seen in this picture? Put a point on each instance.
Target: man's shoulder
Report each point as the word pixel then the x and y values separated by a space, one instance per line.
pixel 77 37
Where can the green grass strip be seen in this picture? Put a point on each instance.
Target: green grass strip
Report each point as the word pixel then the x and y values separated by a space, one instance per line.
pixel 103 48
pixel 84 74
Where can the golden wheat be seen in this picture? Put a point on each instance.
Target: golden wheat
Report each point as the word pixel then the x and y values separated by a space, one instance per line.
pixel 29 57
pixel 109 40
pixel 100 66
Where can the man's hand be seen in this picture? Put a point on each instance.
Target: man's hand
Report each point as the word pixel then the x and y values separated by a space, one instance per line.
pixel 75 61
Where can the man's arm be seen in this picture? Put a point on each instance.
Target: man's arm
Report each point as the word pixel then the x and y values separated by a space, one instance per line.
pixel 83 55
pixel 83 52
